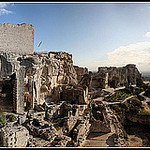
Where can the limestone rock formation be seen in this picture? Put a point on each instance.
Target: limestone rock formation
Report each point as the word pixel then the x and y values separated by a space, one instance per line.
pixel 122 75
pixel 80 72
pixel 99 119
pixel 42 72
pixel 115 77
pixel 14 135
pixel 83 76
pixel 99 80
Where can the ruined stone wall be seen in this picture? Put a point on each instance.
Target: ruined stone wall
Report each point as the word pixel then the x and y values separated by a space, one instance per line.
pixel 14 136
pixel 20 90
pixel 80 72
pixel 76 95
pixel 121 75
pixel 17 38
pixel 45 72
pixel 100 80
pixel 42 73
pixel 8 63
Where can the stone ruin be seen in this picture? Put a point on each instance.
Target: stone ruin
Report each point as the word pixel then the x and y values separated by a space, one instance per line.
pixel 115 77
pixel 42 90
pixel 17 38
pixel 48 94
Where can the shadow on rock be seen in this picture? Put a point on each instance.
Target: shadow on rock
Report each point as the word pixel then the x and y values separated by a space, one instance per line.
pixel 110 140
pixel 95 134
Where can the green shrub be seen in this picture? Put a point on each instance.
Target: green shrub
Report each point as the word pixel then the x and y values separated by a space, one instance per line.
pixel 119 95
pixel 143 112
pixel 11 117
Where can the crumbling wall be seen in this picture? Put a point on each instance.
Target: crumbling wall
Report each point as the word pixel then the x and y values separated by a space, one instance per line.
pixel 81 131
pixel 75 95
pixel 20 90
pixel 120 76
pixel 100 80
pixel 14 136
pixel 8 63
pixel 80 72
pixel 127 74
pixel 17 38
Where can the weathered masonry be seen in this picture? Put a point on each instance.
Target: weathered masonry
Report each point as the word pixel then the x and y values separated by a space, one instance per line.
pixel 15 41
pixel 17 38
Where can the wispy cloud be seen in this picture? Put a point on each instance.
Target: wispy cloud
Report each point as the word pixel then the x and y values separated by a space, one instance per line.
pixel 147 34
pixel 4 9
pixel 2 5
pixel 138 53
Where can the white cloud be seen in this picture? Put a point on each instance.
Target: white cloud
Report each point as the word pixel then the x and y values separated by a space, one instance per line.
pixel 3 9
pixel 147 34
pixel 3 5
pixel 138 53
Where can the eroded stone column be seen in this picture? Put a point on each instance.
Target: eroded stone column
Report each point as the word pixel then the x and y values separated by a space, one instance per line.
pixel 20 74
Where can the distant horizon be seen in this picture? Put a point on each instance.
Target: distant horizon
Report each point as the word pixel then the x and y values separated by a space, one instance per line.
pixel 86 66
pixel 81 65
pixel 96 34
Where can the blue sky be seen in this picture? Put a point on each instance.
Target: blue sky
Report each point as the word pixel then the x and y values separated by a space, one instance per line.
pixel 97 34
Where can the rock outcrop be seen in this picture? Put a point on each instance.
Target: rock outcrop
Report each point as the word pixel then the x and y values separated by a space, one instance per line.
pixel 84 77
pixel 99 119
pixel 115 77
pixel 122 75
pixel 40 73
pixel 14 135
pixel 80 72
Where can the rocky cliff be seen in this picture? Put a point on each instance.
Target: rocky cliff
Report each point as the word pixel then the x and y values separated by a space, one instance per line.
pixel 117 76
pixel 42 72
pixel 127 74
pixel 80 72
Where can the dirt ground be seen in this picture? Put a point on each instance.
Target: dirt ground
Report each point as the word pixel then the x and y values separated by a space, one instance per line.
pixel 99 140
pixel 138 136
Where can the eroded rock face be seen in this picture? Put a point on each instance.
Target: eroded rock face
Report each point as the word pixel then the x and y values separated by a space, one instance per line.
pixel 14 135
pixel 100 80
pixel 54 69
pixel 122 75
pixel 99 119
pixel 42 73
pixel 115 77
pixel 8 63
pixel 84 76
pixel 81 132
pixel 80 72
